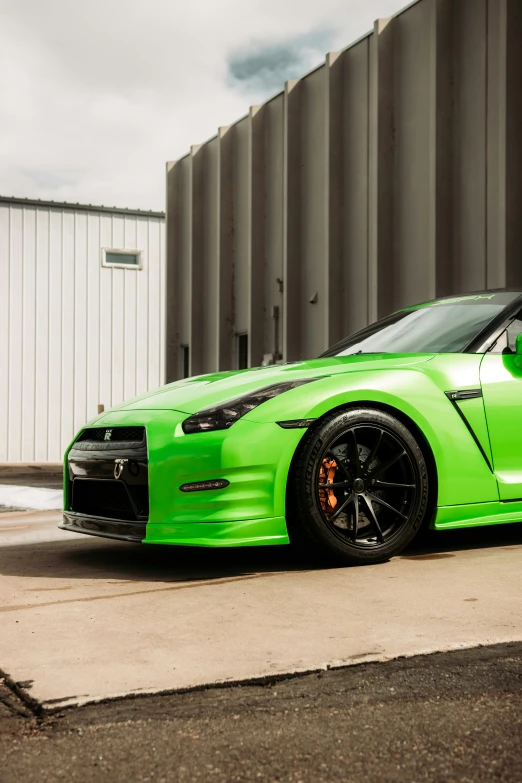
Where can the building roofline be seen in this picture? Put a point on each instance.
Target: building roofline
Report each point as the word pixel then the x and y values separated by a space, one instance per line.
pixel 35 202
pixel 278 94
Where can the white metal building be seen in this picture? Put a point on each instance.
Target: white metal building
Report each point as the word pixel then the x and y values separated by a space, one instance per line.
pixel 81 318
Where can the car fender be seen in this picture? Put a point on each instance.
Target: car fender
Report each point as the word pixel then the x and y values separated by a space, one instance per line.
pixel 463 474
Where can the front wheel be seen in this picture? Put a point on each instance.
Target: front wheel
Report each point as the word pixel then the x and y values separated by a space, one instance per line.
pixel 359 489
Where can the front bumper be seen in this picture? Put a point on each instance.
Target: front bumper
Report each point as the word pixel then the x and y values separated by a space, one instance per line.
pixel 119 529
pixel 248 532
pixel 254 458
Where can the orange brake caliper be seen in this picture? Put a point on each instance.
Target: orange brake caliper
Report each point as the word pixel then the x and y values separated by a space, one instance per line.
pixel 327 476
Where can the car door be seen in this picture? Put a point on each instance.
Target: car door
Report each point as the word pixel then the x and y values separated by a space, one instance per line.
pixel 501 380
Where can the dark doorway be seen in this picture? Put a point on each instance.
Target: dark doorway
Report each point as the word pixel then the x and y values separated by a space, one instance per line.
pixel 242 351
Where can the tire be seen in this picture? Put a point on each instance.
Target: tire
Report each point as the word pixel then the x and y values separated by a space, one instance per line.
pixel 358 489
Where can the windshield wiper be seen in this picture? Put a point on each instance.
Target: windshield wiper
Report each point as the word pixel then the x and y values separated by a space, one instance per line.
pixel 366 353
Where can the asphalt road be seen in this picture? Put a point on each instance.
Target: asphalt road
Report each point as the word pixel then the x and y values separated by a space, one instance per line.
pixel 442 718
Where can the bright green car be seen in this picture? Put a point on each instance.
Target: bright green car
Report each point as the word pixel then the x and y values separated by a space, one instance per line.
pixel 415 420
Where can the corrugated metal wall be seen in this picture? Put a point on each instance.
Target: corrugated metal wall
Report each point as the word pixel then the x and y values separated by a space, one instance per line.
pixel 390 175
pixel 73 335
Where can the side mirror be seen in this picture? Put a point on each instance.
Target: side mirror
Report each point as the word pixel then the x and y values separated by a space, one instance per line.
pixel 518 345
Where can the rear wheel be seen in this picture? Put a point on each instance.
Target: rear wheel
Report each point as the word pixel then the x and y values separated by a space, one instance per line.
pixel 359 491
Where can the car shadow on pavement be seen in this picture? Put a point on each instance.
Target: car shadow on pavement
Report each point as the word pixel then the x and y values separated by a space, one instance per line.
pixel 94 558
pixel 435 543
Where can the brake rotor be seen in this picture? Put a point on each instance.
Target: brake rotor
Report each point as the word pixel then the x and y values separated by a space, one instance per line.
pixel 328 498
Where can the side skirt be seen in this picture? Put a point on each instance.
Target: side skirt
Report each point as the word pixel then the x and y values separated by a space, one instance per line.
pixel 475 514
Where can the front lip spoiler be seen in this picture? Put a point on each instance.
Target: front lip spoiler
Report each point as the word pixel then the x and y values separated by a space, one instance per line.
pixel 121 530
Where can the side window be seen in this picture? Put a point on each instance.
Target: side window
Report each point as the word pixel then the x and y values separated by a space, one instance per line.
pixel 513 330
pixel 506 342
pixel 500 345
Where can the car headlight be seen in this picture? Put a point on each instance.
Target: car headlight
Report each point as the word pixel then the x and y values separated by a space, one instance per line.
pixel 223 416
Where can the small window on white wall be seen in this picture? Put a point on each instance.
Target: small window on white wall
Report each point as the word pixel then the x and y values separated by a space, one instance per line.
pixel 124 259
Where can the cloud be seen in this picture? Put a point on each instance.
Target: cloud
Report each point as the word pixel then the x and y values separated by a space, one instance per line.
pixel 49 180
pixel 262 69
pixel 96 96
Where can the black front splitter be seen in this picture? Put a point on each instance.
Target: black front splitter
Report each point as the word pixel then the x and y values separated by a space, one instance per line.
pixel 121 530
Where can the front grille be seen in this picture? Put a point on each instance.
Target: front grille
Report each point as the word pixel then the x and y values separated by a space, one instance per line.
pixel 108 498
pixel 109 477
pixel 113 435
pixel 112 439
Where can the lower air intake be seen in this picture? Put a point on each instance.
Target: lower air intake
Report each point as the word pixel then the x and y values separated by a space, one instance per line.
pixel 111 499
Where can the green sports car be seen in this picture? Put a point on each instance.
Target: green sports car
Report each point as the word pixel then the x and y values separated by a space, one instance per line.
pixel 415 420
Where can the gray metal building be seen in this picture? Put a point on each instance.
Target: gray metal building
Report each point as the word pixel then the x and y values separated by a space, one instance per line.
pixel 81 318
pixel 389 175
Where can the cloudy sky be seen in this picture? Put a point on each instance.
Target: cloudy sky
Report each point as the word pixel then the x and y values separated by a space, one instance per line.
pixel 96 95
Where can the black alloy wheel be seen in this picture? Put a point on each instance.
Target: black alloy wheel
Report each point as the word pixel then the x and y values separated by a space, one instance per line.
pixel 359 490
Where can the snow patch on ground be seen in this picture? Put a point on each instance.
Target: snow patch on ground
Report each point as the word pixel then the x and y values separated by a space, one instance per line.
pixel 31 498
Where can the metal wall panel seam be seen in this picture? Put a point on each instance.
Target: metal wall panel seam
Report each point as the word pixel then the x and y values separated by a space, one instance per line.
pixel 34 314
pixel 35 332
pixel 111 365
pixel 22 342
pixel 218 325
pixel 146 364
pixel 8 331
pixel 373 152
pixel 330 57
pixel 62 326
pixel 287 88
pixel 330 286
pixel 80 317
pixel 486 138
pixel 125 310
pixel 162 326
pixel 225 315
pixel 156 309
pixel 496 256
pixel 48 379
pixel 291 287
pixel 170 308
pixel 58 407
pixel 260 274
pixel 251 326
pixel 432 152
pixel 195 368
pixel 69 329
pixel 36 309
pixel 88 319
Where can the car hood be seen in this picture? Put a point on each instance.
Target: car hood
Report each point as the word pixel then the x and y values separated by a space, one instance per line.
pixel 193 394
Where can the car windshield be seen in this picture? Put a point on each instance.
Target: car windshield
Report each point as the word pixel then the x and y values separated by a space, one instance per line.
pixel 443 326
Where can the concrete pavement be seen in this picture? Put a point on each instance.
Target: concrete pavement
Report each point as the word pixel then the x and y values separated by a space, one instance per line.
pixel 48 475
pixel 83 619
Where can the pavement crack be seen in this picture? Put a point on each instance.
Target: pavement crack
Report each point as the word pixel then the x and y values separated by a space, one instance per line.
pixel 16 698
pixel 192 585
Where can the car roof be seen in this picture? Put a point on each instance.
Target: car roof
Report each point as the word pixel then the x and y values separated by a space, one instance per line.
pixel 511 295
pixel 497 291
